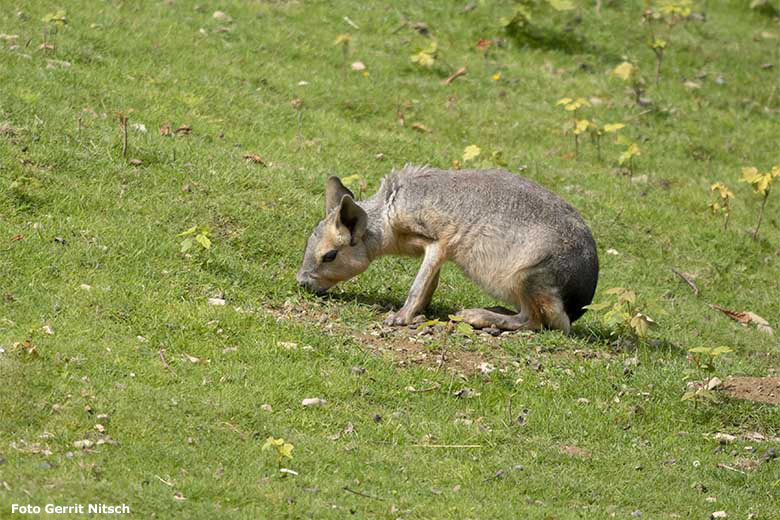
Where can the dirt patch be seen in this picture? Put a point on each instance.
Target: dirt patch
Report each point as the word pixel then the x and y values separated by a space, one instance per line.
pixel 757 389
pixel 433 347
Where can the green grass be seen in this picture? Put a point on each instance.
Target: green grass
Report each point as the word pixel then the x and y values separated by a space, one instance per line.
pixel 88 216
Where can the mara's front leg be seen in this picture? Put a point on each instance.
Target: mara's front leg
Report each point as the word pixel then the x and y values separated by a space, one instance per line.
pixel 422 289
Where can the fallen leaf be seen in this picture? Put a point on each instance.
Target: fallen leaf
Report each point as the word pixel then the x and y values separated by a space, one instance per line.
pixel 266 408
pixel 358 66
pixel 83 444
pixel 221 16
pixel 165 131
pixel 471 152
pixel 574 451
pixel 624 71
pixel 746 318
pixel 692 84
pixel 136 162
pixel 253 157
pixel 17 238
pixel 421 128
pixel 483 45
pixel 184 130
pixel 196 360
pixel 216 301
pixel 48 330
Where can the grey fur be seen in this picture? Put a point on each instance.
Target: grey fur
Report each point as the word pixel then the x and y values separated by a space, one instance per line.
pixel 520 242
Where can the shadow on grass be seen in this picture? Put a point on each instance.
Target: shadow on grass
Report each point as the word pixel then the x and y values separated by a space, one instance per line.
pixel 616 343
pixel 388 303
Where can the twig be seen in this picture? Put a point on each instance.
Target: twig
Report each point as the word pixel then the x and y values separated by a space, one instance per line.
pixel 358 493
pixel 687 280
pixel 640 114
pixel 162 358
pixel 163 481
pixel 350 22
pixel 446 445
pixel 123 126
pixel 723 466
pixel 458 73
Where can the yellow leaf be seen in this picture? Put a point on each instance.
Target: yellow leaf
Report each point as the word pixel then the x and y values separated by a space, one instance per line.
pixel 564 101
pixel 624 71
pixel 496 76
pixel 749 173
pixel 613 127
pixel 471 152
pixel 658 43
pixel 759 181
pixel 423 59
pixel 285 450
pixel 775 171
pixel 581 126
pixel 343 39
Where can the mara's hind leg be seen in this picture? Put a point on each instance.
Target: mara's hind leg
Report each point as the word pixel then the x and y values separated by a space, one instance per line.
pixel 486 318
pixel 539 308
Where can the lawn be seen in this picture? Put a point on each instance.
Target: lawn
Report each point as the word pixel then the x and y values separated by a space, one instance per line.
pixel 139 367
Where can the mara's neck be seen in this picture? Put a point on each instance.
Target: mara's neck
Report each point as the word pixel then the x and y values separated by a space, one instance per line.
pixel 376 237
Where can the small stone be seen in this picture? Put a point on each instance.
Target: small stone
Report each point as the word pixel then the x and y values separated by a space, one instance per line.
pixel 358 66
pixel 266 408
pixel 313 401
pixel 486 367
pixel 710 499
pixel 724 438
pixel 83 444
pixel 719 514
pixel 221 16
pixel 216 301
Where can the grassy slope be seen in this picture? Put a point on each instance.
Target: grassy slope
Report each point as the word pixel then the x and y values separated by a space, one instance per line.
pixel 234 88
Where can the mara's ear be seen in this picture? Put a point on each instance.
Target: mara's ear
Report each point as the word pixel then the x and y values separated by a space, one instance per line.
pixel 334 192
pixel 352 217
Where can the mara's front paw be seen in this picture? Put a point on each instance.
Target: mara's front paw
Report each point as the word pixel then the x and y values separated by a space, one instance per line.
pixel 402 317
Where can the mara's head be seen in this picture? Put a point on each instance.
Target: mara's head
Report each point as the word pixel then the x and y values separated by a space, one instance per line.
pixel 336 250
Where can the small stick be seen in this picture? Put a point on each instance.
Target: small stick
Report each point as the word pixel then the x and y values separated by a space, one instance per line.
pixel 731 469
pixel 458 73
pixel 350 22
pixel 446 445
pixel 358 493
pixel 162 358
pixel 687 280
pixel 164 481
pixel 123 126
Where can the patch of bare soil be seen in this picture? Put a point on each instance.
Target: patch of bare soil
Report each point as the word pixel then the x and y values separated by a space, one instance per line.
pixel 757 389
pixel 432 347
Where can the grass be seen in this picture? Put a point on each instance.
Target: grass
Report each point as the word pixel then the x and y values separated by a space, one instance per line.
pixel 188 436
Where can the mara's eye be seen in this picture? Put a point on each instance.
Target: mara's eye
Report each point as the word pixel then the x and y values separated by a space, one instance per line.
pixel 330 256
